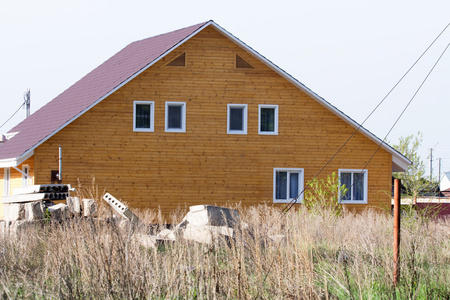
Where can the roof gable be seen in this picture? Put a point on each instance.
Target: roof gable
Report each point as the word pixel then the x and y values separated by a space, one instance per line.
pixel 119 70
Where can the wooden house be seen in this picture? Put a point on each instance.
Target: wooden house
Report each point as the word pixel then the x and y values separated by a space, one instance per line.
pixel 195 116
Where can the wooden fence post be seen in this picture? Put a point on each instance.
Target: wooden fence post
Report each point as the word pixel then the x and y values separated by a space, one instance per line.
pixel 397 211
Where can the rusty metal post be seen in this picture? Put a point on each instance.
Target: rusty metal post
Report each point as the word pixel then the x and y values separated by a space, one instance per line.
pixel 397 210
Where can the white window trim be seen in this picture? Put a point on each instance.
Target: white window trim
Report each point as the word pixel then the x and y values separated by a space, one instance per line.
pixel 244 120
pixel 26 170
pixel 275 132
pixel 366 185
pixel 6 182
pixel 183 116
pixel 152 116
pixel 301 179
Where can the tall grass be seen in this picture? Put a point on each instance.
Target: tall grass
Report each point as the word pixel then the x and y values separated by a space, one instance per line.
pixel 301 255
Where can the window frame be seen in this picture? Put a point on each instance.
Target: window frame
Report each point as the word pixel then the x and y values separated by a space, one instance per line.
pixel 152 116
pixel 6 182
pixel 26 170
pixel 301 184
pixel 275 131
pixel 365 172
pixel 244 118
pixel 183 116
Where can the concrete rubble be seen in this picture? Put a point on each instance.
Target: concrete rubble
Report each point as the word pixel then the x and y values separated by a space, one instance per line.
pixel 204 224
pixel 89 208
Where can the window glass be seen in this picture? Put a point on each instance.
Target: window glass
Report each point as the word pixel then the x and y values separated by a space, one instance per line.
pixel 293 185
pixel 281 185
pixel 358 186
pixel 236 118
pixel 267 119
pixel 175 117
pixel 346 179
pixel 143 116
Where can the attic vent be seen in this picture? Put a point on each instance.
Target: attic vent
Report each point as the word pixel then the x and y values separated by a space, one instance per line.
pixel 180 61
pixel 241 63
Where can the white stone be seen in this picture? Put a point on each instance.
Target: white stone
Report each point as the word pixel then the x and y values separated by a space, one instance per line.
pixel 74 206
pixel 201 215
pixel 206 234
pixel 14 211
pixel 59 212
pixel 89 208
pixel 34 211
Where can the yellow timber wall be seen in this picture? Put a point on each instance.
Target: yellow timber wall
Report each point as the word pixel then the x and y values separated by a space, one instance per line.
pixel 206 165
pixel 15 180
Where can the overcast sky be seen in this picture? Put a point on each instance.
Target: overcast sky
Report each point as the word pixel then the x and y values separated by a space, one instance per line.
pixel 349 52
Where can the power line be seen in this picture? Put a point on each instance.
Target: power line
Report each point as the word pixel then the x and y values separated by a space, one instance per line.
pixel 294 201
pixel 13 115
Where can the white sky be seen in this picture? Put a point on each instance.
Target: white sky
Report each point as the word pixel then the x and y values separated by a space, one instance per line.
pixel 350 52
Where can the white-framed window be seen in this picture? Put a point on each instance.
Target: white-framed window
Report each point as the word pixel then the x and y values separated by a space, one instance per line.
pixel 287 184
pixel 268 119
pixel 6 180
pixel 175 116
pixel 237 119
pixel 143 116
pixel 356 182
pixel 26 170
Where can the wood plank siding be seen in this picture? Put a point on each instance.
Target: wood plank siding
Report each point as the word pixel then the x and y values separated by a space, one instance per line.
pixel 205 165
pixel 15 179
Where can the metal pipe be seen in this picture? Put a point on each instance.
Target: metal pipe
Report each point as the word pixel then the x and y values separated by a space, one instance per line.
pixel 60 164
pixel 397 211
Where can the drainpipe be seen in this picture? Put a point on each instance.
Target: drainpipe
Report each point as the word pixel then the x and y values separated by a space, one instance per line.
pixel 60 164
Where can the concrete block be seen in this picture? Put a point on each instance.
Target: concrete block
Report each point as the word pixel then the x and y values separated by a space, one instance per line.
pixel 59 212
pixel 14 211
pixel 74 206
pixel 121 209
pixel 206 234
pixel 201 215
pixel 89 208
pixel 3 227
pixel 34 211
pixel 14 227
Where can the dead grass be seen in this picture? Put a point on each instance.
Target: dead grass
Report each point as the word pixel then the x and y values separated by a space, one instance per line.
pixel 301 255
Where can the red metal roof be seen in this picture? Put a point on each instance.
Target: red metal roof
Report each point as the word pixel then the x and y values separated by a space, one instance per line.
pixel 91 89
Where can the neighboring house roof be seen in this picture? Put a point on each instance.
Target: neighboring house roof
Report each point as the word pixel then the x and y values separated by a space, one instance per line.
pixel 444 183
pixel 116 72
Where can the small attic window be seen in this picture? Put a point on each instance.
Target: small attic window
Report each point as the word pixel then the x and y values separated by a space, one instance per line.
pixel 242 64
pixel 180 61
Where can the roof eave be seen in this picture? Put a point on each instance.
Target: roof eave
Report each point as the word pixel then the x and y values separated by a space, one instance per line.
pixel 16 161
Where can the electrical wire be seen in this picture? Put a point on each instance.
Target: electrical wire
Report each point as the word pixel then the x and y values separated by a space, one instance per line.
pixel 294 200
pixel 291 204
pixel 13 115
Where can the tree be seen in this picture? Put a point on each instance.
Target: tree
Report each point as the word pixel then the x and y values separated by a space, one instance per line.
pixel 413 179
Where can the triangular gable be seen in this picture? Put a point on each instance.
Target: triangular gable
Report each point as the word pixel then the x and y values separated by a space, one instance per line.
pixel 119 70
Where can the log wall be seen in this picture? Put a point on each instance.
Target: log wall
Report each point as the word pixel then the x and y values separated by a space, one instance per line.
pixel 205 165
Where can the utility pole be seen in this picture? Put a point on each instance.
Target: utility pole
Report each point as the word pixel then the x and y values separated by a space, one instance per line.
pixel 439 180
pixel 431 164
pixel 27 98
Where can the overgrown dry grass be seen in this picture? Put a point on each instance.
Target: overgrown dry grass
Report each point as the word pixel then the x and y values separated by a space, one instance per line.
pixel 301 255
